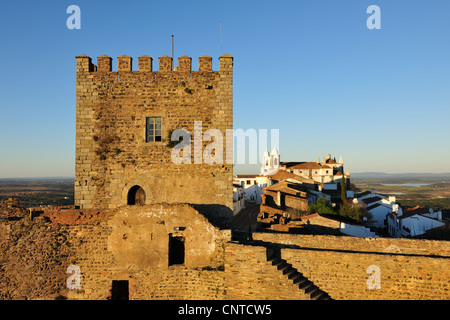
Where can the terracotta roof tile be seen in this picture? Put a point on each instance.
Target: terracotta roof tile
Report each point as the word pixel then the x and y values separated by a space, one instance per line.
pixel 283 175
pixel 287 187
pixel 244 176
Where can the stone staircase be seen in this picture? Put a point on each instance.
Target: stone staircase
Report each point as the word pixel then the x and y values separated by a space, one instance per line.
pixel 291 273
pixel 298 279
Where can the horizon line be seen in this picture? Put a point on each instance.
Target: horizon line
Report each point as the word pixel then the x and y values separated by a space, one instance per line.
pixel 362 172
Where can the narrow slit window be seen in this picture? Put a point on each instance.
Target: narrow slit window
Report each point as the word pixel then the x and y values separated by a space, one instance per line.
pixel 153 130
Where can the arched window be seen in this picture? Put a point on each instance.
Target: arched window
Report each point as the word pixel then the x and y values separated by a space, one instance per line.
pixel 136 195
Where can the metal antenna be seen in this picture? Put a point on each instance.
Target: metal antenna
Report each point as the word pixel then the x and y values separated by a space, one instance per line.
pixel 172 52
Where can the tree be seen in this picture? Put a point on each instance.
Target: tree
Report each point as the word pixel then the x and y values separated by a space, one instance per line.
pixel 352 211
pixel 321 206
pixel 343 190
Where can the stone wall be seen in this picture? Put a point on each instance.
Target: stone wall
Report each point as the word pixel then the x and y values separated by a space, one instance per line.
pixel 10 203
pixel 112 154
pixel 131 244
pixel 250 276
pixel 408 269
pixel 34 256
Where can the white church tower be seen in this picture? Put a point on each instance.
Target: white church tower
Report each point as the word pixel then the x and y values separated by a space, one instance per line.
pixel 271 162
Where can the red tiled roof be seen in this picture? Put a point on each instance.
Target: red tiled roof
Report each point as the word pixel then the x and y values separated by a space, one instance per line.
pixel 283 175
pixel 408 212
pixel 307 165
pixel 289 164
pixel 244 176
pixel 287 187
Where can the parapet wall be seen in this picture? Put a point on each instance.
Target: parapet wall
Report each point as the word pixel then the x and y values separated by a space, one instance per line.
pixel 250 276
pixel 354 244
pixel 341 266
pixel 132 244
pixel 145 64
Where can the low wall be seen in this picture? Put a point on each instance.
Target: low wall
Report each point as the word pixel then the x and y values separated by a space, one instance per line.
pixel 341 266
pixel 356 231
pixel 250 276
pixel 129 243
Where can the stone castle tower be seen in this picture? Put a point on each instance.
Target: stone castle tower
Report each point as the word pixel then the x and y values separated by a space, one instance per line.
pixel 124 119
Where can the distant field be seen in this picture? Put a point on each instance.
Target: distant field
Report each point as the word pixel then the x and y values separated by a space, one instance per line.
pixel 433 192
pixel 32 192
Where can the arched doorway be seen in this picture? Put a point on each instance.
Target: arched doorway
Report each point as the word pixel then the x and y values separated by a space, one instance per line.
pixel 136 196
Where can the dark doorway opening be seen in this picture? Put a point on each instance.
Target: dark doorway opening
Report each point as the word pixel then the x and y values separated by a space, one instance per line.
pixel 136 196
pixel 176 250
pixel 119 290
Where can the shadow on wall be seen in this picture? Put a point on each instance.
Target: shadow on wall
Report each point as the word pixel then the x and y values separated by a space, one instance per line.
pixel 218 215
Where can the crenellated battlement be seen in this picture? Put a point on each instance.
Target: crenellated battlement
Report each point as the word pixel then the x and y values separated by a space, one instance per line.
pixel 126 111
pixel 145 64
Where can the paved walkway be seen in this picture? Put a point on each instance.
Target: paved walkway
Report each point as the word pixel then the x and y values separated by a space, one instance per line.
pixel 241 220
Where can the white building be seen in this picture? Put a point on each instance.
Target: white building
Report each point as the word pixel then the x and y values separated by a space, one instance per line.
pixel 238 198
pixel 377 206
pixel 322 178
pixel 271 162
pixel 356 230
pixel 413 221
pixel 252 185
pixel 327 171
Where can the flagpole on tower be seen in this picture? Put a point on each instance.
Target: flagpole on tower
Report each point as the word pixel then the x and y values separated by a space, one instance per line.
pixel 172 53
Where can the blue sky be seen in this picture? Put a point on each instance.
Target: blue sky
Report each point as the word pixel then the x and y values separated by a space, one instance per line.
pixel 380 98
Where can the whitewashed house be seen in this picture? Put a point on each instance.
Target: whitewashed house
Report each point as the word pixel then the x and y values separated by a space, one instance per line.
pixel 253 184
pixel 320 179
pixel 377 206
pixel 238 198
pixel 355 230
pixel 377 214
pixel 413 221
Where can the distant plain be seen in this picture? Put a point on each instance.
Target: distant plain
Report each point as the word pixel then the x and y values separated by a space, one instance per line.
pixel 432 191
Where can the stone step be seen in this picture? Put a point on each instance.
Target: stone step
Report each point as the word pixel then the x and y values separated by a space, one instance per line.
pixel 307 286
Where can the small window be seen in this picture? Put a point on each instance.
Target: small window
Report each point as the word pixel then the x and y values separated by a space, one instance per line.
pixel 153 129
pixel 275 161
pixel 248 182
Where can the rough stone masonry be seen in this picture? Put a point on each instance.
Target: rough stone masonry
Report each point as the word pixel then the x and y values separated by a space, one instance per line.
pixel 124 120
